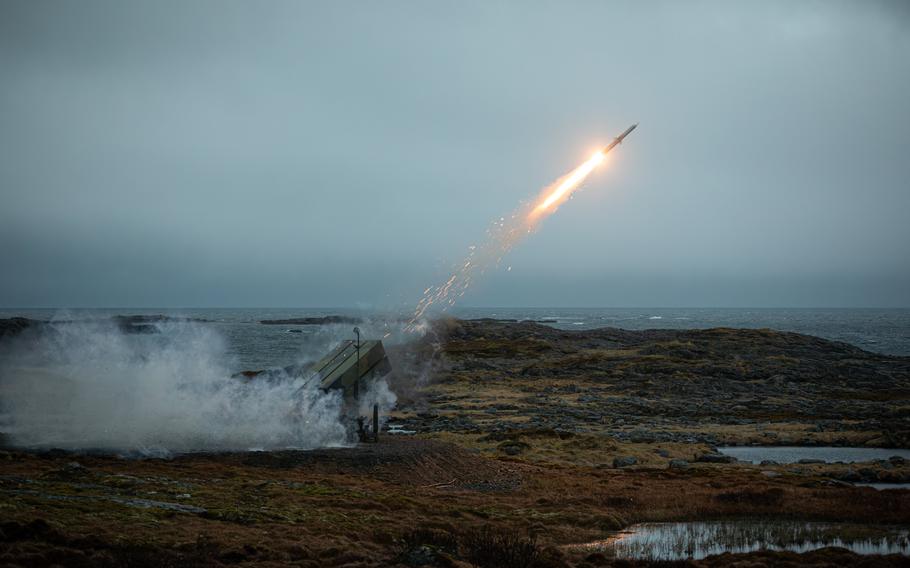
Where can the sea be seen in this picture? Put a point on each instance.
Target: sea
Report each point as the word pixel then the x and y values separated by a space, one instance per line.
pixel 252 345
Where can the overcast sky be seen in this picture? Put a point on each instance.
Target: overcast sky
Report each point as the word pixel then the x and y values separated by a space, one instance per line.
pixel 217 153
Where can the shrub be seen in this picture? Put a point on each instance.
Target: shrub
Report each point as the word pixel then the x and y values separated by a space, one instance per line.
pixel 434 539
pixel 491 548
pixel 764 498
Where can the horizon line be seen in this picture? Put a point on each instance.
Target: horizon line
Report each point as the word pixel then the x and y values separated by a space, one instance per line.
pixel 10 308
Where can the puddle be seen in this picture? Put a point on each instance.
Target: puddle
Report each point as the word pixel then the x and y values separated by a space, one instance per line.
pixel 696 540
pixel 884 486
pixel 399 429
pixel 792 454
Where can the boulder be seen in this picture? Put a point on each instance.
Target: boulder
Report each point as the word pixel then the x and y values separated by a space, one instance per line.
pixel 624 461
pixel 642 437
pixel 715 457
pixel 851 475
pixel 513 447
pixel 679 464
pixel 808 461
pixel 15 326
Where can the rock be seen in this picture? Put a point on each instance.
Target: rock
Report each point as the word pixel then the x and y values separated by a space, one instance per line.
pixel 662 453
pixel 146 324
pixel 679 464
pixel 513 447
pixel 851 475
pixel 897 460
pixel 15 326
pixel 894 477
pixel 715 458
pixel 597 559
pixel 324 320
pixel 624 461
pixel 769 462
pixel 868 474
pixel 642 437
pixel 810 461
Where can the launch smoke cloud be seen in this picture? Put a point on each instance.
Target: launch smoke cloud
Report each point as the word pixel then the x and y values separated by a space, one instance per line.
pixel 90 386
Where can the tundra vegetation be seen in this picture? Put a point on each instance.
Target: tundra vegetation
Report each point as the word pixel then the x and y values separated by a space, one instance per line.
pixel 529 441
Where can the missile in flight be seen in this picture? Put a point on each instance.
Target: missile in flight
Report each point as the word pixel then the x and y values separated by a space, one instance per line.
pixel 618 139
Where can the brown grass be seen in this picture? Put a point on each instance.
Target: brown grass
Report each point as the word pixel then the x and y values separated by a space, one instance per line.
pixel 333 516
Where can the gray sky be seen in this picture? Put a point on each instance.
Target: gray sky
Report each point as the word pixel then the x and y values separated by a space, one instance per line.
pixel 346 154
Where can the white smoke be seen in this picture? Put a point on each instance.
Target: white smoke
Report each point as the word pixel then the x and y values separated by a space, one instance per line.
pixel 377 392
pixel 91 386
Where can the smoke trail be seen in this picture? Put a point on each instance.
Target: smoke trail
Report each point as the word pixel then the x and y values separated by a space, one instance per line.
pixel 90 386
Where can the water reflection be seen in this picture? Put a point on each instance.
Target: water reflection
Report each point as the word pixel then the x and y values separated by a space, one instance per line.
pixel 884 486
pixel 678 541
pixel 792 454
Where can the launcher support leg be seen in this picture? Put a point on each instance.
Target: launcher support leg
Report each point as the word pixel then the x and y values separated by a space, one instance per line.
pixel 375 422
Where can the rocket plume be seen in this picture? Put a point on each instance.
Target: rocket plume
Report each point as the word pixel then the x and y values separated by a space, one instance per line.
pixel 505 233
pixel 553 197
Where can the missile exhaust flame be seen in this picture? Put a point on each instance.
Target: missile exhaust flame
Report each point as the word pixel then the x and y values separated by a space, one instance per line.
pixel 567 186
pixel 505 233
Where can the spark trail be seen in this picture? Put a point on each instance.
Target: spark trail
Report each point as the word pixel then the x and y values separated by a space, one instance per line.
pixel 504 234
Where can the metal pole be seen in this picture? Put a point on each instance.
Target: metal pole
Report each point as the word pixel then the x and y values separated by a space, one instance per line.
pixel 357 381
pixel 375 422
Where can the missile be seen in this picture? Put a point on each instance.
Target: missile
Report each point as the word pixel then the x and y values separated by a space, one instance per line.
pixel 618 139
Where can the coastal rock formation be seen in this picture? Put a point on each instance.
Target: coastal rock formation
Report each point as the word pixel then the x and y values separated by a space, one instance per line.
pixel 14 326
pixel 711 386
pixel 126 323
pixel 322 320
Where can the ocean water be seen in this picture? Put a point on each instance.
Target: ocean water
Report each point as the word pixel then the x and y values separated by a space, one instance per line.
pixel 252 345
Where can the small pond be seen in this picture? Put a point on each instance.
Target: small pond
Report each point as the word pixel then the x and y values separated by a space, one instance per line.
pixel 679 541
pixel 884 486
pixel 792 454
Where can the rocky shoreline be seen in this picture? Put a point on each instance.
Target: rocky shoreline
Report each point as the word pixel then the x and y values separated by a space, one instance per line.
pixel 715 386
pixel 12 327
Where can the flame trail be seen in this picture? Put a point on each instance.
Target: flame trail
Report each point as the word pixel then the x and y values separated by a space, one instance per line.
pixel 552 198
pixel 502 236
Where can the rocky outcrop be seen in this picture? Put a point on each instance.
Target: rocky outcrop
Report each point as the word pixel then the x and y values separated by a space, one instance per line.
pixel 715 457
pixel 323 320
pixel 126 323
pixel 679 464
pixel 711 386
pixel 14 326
